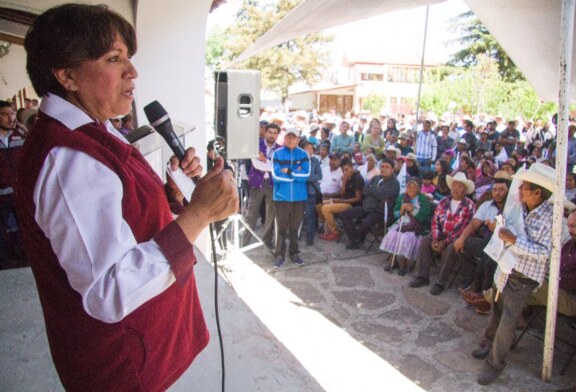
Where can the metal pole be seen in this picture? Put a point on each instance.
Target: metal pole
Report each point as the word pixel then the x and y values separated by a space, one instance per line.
pixel 421 69
pixel 566 38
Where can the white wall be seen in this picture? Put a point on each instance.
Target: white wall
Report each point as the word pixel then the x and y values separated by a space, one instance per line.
pixel 13 76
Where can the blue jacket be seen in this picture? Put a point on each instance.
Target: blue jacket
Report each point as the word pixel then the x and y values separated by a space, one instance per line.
pixel 290 186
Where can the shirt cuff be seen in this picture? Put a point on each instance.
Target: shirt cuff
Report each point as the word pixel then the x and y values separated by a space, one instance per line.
pixel 178 251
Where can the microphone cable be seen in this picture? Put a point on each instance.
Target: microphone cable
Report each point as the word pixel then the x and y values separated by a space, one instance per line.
pixel 216 311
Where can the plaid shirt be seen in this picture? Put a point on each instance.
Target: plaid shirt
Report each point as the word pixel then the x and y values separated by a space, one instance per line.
pixel 447 225
pixel 534 248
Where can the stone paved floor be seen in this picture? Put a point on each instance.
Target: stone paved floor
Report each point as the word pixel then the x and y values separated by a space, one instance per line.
pixel 428 338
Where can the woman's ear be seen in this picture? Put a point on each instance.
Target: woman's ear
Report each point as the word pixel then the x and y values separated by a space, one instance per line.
pixel 65 78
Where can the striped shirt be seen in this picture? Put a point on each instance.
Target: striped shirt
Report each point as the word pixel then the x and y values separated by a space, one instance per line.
pixel 426 145
pixel 533 249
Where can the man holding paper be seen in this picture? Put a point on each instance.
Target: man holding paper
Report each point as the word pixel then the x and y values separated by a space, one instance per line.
pixel 531 250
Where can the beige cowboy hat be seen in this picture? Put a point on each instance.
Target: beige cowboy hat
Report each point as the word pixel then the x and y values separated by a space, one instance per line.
pixel 544 176
pixel 461 178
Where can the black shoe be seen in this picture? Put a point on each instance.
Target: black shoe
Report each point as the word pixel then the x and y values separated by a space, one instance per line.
pixel 436 289
pixel 309 242
pixel 419 282
pixel 279 262
pixel 488 375
pixel 389 268
pixel 353 245
pixel 482 352
pixel 296 260
pixel 402 271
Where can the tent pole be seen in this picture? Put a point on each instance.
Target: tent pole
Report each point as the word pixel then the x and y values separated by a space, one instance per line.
pixel 566 38
pixel 421 70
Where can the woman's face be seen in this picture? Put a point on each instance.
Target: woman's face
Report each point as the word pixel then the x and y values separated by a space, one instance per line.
pixel 463 164
pixel 412 189
pixel 570 182
pixel 486 169
pixel 104 87
pixel 438 168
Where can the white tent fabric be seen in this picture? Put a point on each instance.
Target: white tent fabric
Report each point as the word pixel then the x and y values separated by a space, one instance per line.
pixel 529 31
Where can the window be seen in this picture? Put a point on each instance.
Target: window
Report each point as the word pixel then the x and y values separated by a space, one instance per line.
pixel 372 77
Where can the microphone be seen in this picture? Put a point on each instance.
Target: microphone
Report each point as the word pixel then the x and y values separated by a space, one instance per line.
pixel 139 133
pixel 160 121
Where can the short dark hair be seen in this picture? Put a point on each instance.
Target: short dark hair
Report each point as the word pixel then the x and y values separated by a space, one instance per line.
pixel 545 193
pixel 68 35
pixel 273 126
pixel 346 162
pixel 503 181
pixel 469 123
pixel 5 104
pixel 388 161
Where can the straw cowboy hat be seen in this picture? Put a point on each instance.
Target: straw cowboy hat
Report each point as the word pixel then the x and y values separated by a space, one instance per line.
pixel 544 176
pixel 461 178
pixel 396 150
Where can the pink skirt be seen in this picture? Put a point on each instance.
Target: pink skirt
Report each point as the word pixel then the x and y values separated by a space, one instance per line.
pixel 401 244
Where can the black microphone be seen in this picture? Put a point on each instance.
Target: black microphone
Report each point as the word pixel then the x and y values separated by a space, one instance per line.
pixel 160 121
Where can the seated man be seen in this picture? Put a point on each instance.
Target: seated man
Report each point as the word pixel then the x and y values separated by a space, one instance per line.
pixel 452 215
pixel 331 183
pixel 475 237
pixel 351 196
pixel 379 197
pixel 567 292
pixel 532 250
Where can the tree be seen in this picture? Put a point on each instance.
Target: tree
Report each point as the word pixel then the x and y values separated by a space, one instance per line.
pixel 477 41
pixel 481 89
pixel 301 59
pixel 374 102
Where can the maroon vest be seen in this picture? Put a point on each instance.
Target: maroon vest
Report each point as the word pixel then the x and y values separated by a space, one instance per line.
pixel 151 347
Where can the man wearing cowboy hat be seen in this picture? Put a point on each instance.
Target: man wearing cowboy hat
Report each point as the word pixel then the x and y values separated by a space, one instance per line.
pixel 452 215
pixel 532 250
pixel 461 148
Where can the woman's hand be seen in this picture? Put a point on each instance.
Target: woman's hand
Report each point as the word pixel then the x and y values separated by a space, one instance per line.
pixel 190 165
pixel 214 198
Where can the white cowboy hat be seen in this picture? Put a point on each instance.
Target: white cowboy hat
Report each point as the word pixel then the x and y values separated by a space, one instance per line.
pixel 396 150
pixel 544 176
pixel 461 178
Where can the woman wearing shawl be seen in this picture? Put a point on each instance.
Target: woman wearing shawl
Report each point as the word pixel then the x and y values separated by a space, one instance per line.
pixel 485 180
pixel 414 213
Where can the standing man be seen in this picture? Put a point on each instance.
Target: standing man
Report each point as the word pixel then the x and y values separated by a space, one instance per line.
pixel 380 194
pixel 426 146
pixel 509 137
pixel 11 140
pixel 291 170
pixel 470 137
pixel 314 193
pixel 532 250
pixel 261 186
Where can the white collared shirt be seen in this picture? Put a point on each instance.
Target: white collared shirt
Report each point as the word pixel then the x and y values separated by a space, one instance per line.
pixel 79 208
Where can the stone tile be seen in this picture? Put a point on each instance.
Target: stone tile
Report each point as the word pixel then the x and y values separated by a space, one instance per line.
pixel 459 360
pixel 420 298
pixel 469 320
pixel 436 332
pixel 402 315
pixel 352 277
pixel 379 332
pixel 306 292
pixel 419 371
pixel 365 299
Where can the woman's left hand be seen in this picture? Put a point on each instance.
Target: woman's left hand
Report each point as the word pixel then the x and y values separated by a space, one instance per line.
pixel 190 165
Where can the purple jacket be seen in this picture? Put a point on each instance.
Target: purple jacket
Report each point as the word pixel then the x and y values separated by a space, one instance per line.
pixel 256 177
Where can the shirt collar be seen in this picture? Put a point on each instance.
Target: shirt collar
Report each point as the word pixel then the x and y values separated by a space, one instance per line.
pixel 70 115
pixel 60 109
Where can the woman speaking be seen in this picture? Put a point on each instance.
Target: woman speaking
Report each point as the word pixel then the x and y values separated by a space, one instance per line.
pixel 114 271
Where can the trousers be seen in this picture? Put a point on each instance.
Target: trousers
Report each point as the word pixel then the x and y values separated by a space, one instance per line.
pixel 289 216
pixel 255 199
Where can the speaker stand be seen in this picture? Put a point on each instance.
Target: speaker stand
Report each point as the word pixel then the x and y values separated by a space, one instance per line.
pixel 235 222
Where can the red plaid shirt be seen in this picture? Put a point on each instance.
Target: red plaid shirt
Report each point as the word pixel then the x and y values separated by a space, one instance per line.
pixel 447 225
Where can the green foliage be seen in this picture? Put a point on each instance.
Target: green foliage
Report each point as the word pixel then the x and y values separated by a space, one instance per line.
pixel 481 89
pixel 301 59
pixel 374 102
pixel 477 41
pixel 215 48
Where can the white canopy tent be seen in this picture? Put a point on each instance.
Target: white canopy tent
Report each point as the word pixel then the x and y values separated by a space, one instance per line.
pixel 538 35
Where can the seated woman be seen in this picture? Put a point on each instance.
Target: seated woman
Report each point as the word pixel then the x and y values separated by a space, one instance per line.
pixel 485 180
pixel 414 213
pixel 369 169
pixel 467 167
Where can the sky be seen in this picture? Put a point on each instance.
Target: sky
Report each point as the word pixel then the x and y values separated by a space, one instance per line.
pixel 381 33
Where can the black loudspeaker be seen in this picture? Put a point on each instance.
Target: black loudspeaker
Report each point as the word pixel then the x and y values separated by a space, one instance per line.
pixel 237 112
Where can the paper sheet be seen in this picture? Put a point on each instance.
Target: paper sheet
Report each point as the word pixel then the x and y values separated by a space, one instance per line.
pixel 184 183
